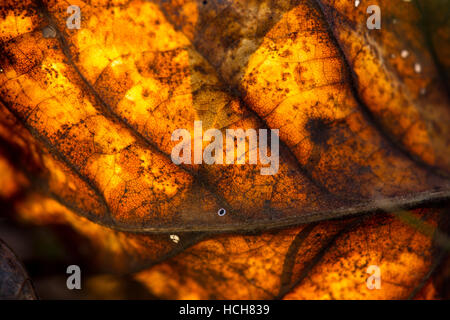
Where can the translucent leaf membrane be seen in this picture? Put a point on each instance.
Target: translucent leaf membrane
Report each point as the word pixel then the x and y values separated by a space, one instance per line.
pixel 327 260
pixel 103 105
pixel 398 73
pixel 295 76
pixel 86 117
pixel 124 161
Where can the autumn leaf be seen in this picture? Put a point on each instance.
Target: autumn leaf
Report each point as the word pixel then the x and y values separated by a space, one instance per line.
pixel 363 128
pixel 318 261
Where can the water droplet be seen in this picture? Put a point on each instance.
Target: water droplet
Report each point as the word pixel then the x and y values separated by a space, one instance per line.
pixel 357 2
pixel 417 68
pixel 175 238
pixel 404 54
pixel 221 212
pixel 1 70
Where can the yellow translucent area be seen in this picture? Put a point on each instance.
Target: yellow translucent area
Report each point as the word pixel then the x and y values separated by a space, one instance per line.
pixel 57 175
pixel 11 181
pixel 389 101
pixel 297 79
pixel 249 267
pixel 403 259
pixel 35 93
pixel 334 283
pixel 160 84
pixel 108 174
pixel 82 4
pixel 293 80
pixel 397 77
pixel 130 30
pixel 134 101
pixel 60 101
pixel 13 25
pixel 53 99
pixel 152 102
pixel 288 91
pixel 160 280
pixel 121 68
pixel 189 13
pixel 106 149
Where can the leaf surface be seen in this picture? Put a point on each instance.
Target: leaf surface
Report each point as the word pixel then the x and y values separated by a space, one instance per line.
pixel 104 105
pixel 86 118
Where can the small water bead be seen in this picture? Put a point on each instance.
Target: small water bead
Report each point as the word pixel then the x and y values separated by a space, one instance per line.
pixel 221 212
pixel 404 54
pixel 417 68
pixel 174 238
pixel 357 2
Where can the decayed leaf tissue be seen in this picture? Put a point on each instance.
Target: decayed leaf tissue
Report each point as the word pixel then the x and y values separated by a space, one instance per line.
pixel 88 112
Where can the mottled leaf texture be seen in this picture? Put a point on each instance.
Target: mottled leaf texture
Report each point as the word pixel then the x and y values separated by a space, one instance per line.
pixel 318 261
pixel 14 281
pixel 86 117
